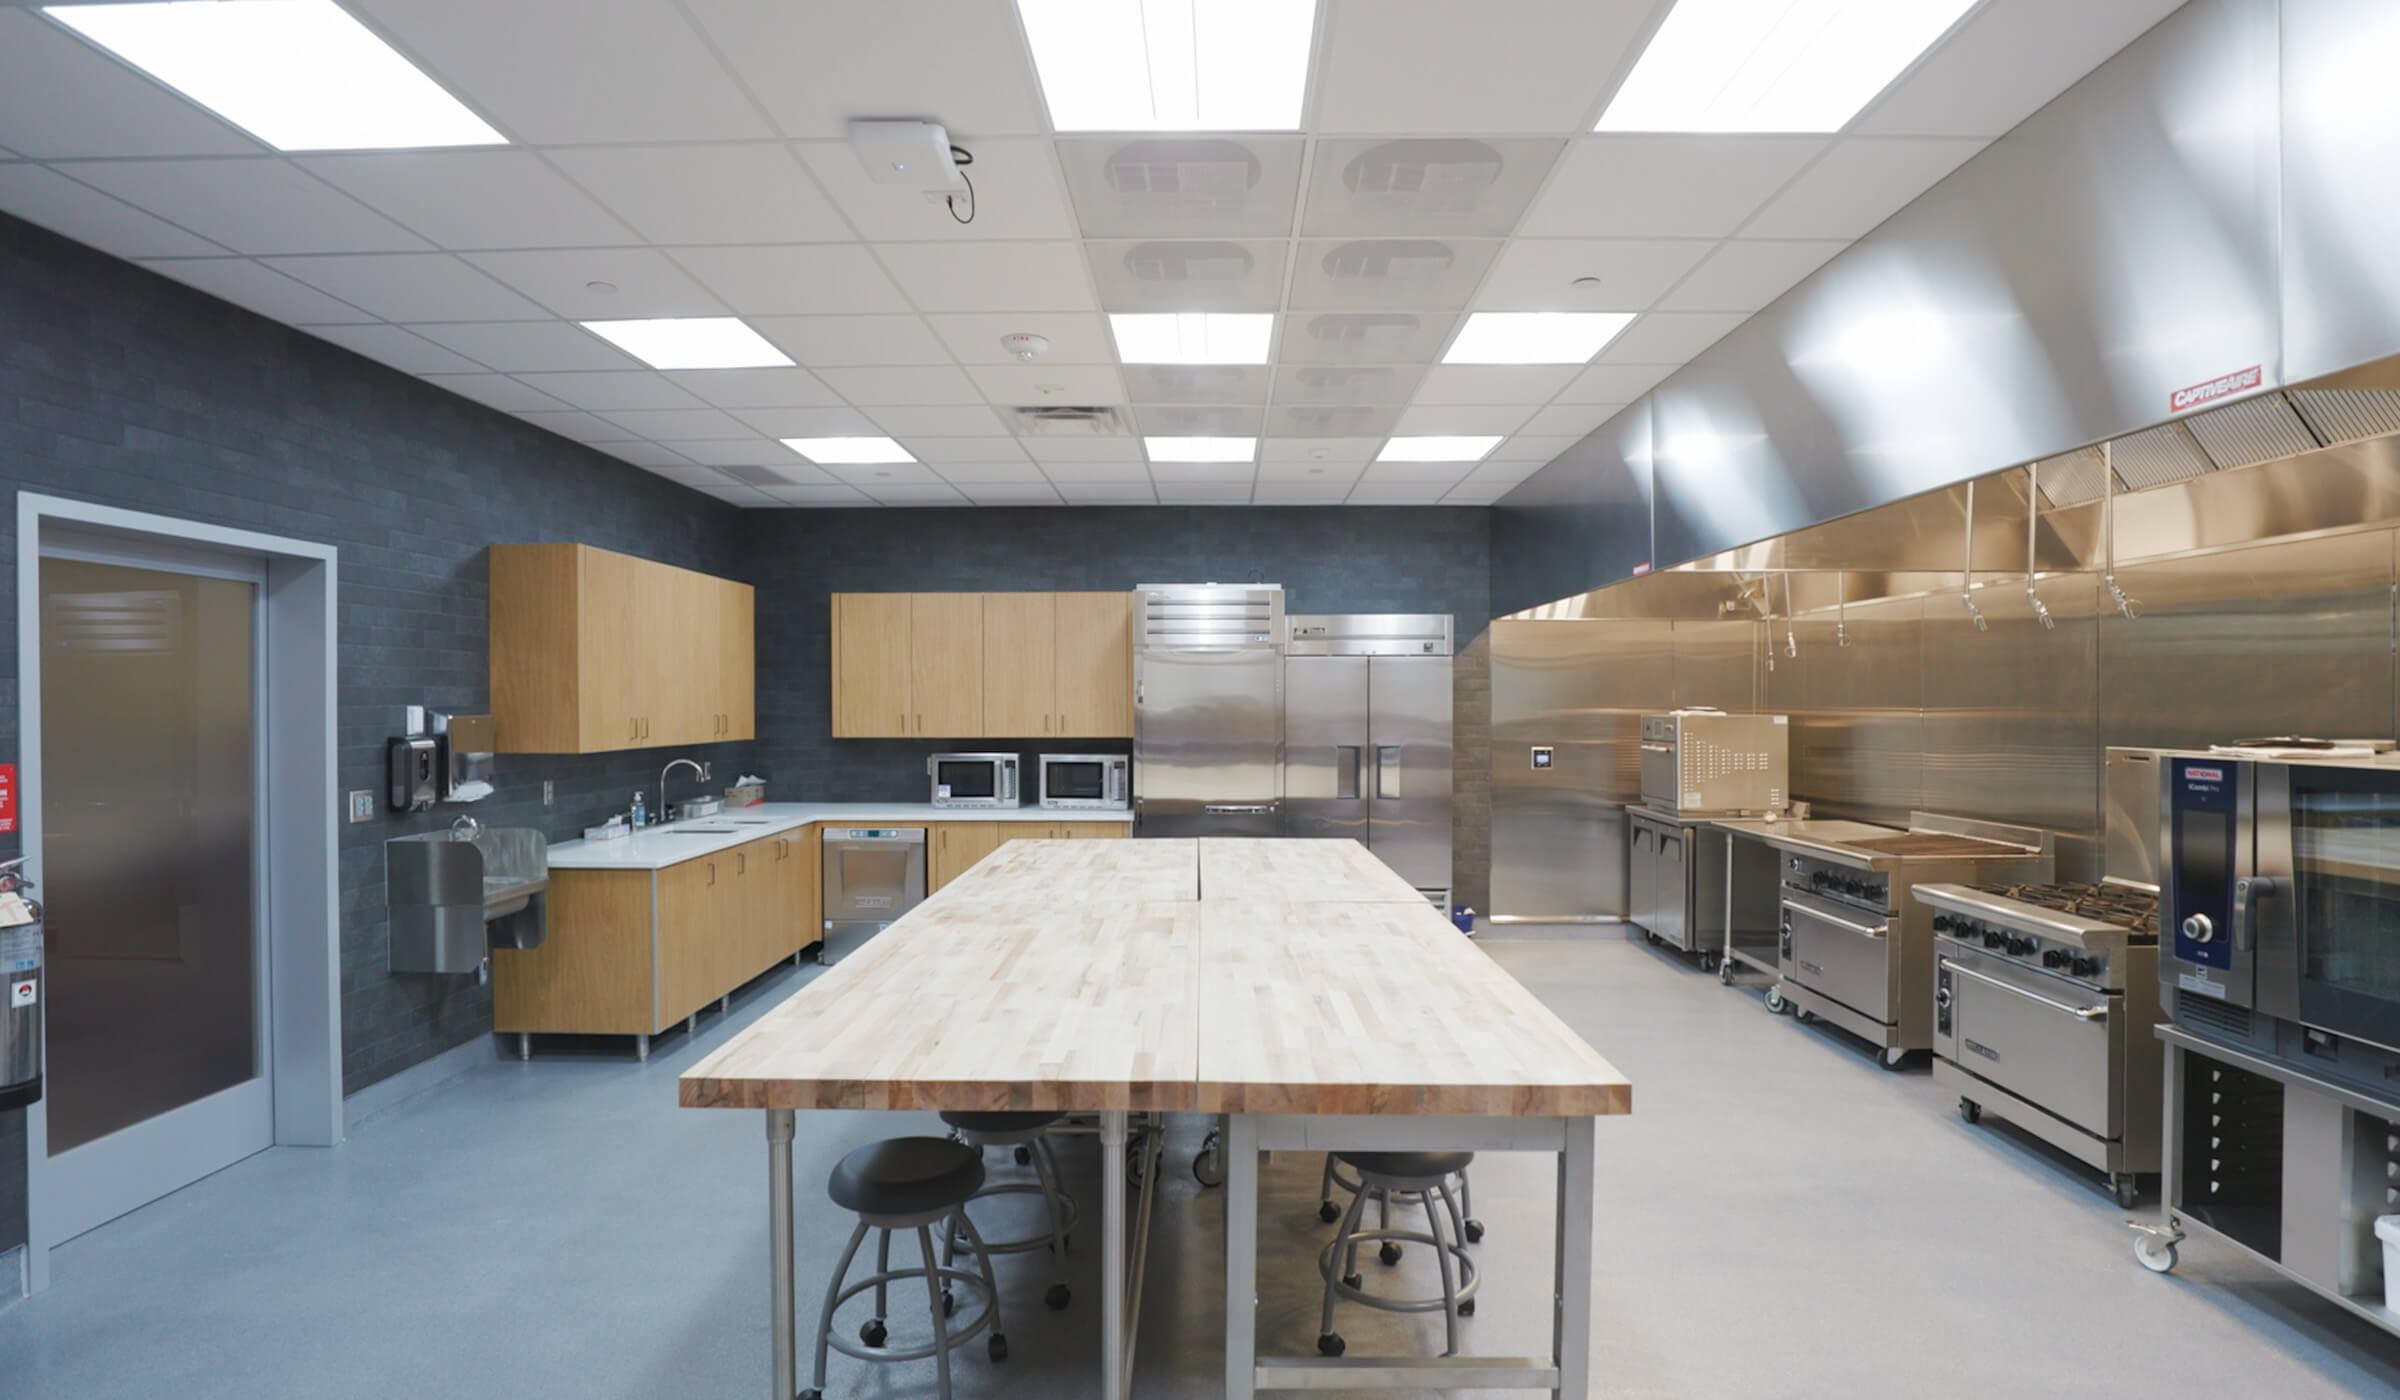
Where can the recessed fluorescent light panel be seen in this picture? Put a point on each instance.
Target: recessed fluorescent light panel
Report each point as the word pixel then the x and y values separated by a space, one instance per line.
pixel 300 75
pixel 1534 337
pixel 1171 65
pixel 1200 449
pixel 1445 448
pixel 849 451
pixel 1774 65
pixel 691 342
pixel 1193 337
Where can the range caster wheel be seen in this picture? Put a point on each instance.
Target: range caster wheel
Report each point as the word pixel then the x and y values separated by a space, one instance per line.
pixel 998 1347
pixel 1894 1059
pixel 1650 938
pixel 1709 962
pixel 1058 1297
pixel 1330 1344
pixel 1389 1254
pixel 811 1395
pixel 871 1332
pixel 1467 1308
pixel 2127 1191
pixel 1776 1002
pixel 1725 972
pixel 1328 1212
pixel 949 1303
pixel 1474 1232
pixel 1024 1156
pixel 1970 1111
pixel 2156 1252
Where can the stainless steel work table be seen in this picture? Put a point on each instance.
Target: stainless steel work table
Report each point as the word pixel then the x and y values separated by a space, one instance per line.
pixel 1310 1025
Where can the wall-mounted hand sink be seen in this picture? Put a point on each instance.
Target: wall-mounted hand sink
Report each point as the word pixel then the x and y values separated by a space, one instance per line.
pixel 456 895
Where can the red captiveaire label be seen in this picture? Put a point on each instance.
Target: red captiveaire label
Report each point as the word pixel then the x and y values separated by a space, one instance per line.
pixel 2240 381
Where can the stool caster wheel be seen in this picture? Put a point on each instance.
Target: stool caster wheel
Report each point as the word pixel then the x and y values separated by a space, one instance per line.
pixel 872 1333
pixel 1330 1344
pixel 1058 1297
pixel 1474 1232
pixel 1328 1212
pixel 998 1347
pixel 1024 1156
pixel 1389 1254
pixel 1467 1308
pixel 1353 1281
pixel 811 1395
pixel 949 1303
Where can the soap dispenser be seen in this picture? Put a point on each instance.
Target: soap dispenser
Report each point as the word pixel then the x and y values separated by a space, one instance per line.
pixel 641 814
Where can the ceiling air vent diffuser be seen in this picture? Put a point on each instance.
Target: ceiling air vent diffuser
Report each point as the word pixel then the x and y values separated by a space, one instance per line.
pixel 1364 331
pixel 1190 176
pixel 1444 176
pixel 757 476
pixel 1066 420
pixel 2255 430
pixel 2349 415
pixel 1189 262
pixel 1391 259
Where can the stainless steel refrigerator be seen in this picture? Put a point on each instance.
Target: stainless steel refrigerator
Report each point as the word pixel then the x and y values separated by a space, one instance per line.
pixel 1366 738
pixel 1207 709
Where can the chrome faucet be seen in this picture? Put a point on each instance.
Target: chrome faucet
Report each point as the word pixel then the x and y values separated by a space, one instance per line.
pixel 665 809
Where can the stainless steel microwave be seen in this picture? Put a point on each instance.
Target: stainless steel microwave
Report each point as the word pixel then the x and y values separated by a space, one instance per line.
pixel 1086 782
pixel 973 779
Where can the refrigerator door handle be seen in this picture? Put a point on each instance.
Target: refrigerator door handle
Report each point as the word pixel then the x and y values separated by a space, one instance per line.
pixel 1387 770
pixel 1346 761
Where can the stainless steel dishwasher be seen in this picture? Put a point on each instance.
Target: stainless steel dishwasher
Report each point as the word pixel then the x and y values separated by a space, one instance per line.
pixel 873 875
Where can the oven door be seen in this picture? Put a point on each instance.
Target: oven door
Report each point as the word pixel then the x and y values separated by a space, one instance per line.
pixel 1839 952
pixel 2049 1041
pixel 2328 932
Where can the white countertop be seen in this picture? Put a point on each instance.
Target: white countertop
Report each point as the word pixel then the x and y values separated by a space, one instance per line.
pixel 655 847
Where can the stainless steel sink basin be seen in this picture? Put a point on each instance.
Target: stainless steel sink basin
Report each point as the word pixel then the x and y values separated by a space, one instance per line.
pixel 455 896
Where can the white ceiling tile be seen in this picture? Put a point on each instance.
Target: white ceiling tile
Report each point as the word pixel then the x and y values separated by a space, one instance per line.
pixel 608 391
pixel 61 97
pixel 1199 383
pixel 962 62
pixel 974 474
pixel 45 197
pixel 1525 447
pixel 1431 186
pixel 807 422
pixel 1503 474
pixel 709 194
pixel 474 199
pixel 946 450
pixel 1107 493
pixel 410 286
pixel 1570 419
pixel 1473 494
pixel 1065 451
pixel 2005 62
pixel 1398 493
pixel 684 474
pixel 833 495
pixel 1299 493
pixel 1503 65
pixel 1409 274
pixel 1665 186
pixel 643 454
pixel 258 288
pixel 1424 419
pixel 990 276
pixel 1186 473
pixel 1446 473
pixel 497 390
pixel 795 279
pixel 885 476
pixel 1346 384
pixel 937 420
pixel 610 70
pixel 675 424
pixel 633 283
pixel 756 388
pixel 1364 337
pixel 1494 383
pixel 1188 274
pixel 402 349
pixel 1203 493
pixel 510 346
pixel 1324 475
pixel 575 424
pixel 1321 451
pixel 1074 339
pixel 1607 383
pixel 1049 383
pixel 1087 473
pixel 257 204
pixel 749 452
pixel 1332 420
pixel 1860 183
pixel 1538 274
pixel 1016 195
pixel 918 384
pixel 1176 186
pixel 1745 275
pixel 1670 337
pixel 853 340
pixel 1033 494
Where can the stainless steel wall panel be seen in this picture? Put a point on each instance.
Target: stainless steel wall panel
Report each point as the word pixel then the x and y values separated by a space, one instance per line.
pixel 2340 116
pixel 1858 735
pixel 1715 667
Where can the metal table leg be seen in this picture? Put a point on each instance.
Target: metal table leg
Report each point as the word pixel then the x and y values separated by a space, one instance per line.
pixel 1112 1254
pixel 1241 1256
pixel 784 1327
pixel 1571 1327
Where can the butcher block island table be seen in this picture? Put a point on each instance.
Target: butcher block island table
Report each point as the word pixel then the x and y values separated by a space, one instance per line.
pixel 1119 979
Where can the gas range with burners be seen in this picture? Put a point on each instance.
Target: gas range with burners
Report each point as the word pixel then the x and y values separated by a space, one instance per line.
pixel 2044 999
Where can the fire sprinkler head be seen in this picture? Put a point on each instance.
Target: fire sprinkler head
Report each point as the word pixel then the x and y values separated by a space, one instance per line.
pixel 1025 346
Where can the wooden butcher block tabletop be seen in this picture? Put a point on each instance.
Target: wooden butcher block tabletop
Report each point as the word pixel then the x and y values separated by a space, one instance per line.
pixel 1298 868
pixel 1086 872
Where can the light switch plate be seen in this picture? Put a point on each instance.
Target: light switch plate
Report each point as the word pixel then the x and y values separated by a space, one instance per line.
pixel 362 805
pixel 545 792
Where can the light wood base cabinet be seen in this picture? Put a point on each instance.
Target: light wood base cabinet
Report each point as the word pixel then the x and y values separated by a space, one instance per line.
pixel 954 847
pixel 632 952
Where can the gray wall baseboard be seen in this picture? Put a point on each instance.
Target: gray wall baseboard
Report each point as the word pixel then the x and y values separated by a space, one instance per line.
pixel 390 1092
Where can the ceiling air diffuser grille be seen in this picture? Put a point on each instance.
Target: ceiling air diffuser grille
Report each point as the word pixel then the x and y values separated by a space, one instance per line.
pixel 1066 420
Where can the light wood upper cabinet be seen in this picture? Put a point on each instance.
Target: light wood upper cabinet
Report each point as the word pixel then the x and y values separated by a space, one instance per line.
pixel 593 651
pixel 737 661
pixel 1094 667
pixel 982 666
pixel 945 664
pixel 1020 667
pixel 870 665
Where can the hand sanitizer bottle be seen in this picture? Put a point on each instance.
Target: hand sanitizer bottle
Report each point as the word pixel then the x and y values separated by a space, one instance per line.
pixel 641 814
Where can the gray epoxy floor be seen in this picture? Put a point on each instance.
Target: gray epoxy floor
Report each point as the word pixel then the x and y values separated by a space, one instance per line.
pixel 1778 1218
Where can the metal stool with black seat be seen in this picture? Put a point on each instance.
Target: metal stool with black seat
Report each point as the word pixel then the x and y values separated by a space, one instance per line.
pixel 909 1184
pixel 1333 1180
pixel 1028 1133
pixel 1385 1176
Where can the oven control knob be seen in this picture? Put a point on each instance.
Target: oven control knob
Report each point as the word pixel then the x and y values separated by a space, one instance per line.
pixel 2054 957
pixel 1942 923
pixel 2086 967
pixel 1820 879
pixel 2200 929
pixel 1994 938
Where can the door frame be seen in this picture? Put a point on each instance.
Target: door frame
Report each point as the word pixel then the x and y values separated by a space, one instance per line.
pixel 300 896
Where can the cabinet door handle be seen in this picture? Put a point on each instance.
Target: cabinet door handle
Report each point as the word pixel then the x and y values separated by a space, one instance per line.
pixel 1045 724
pixel 712 872
pixel 741 862
pixel 904 721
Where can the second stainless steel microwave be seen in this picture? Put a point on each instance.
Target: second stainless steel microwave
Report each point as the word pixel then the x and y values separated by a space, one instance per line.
pixel 1086 781
pixel 973 779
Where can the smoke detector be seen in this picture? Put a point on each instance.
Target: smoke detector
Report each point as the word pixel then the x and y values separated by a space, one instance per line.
pixel 1025 346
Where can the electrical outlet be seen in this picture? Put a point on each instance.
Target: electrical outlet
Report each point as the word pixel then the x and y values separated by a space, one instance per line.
pixel 362 805
pixel 545 792
pixel 704 777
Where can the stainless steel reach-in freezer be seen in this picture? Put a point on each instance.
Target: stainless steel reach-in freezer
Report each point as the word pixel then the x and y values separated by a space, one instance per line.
pixel 1567 703
pixel 1366 738
pixel 1208 709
